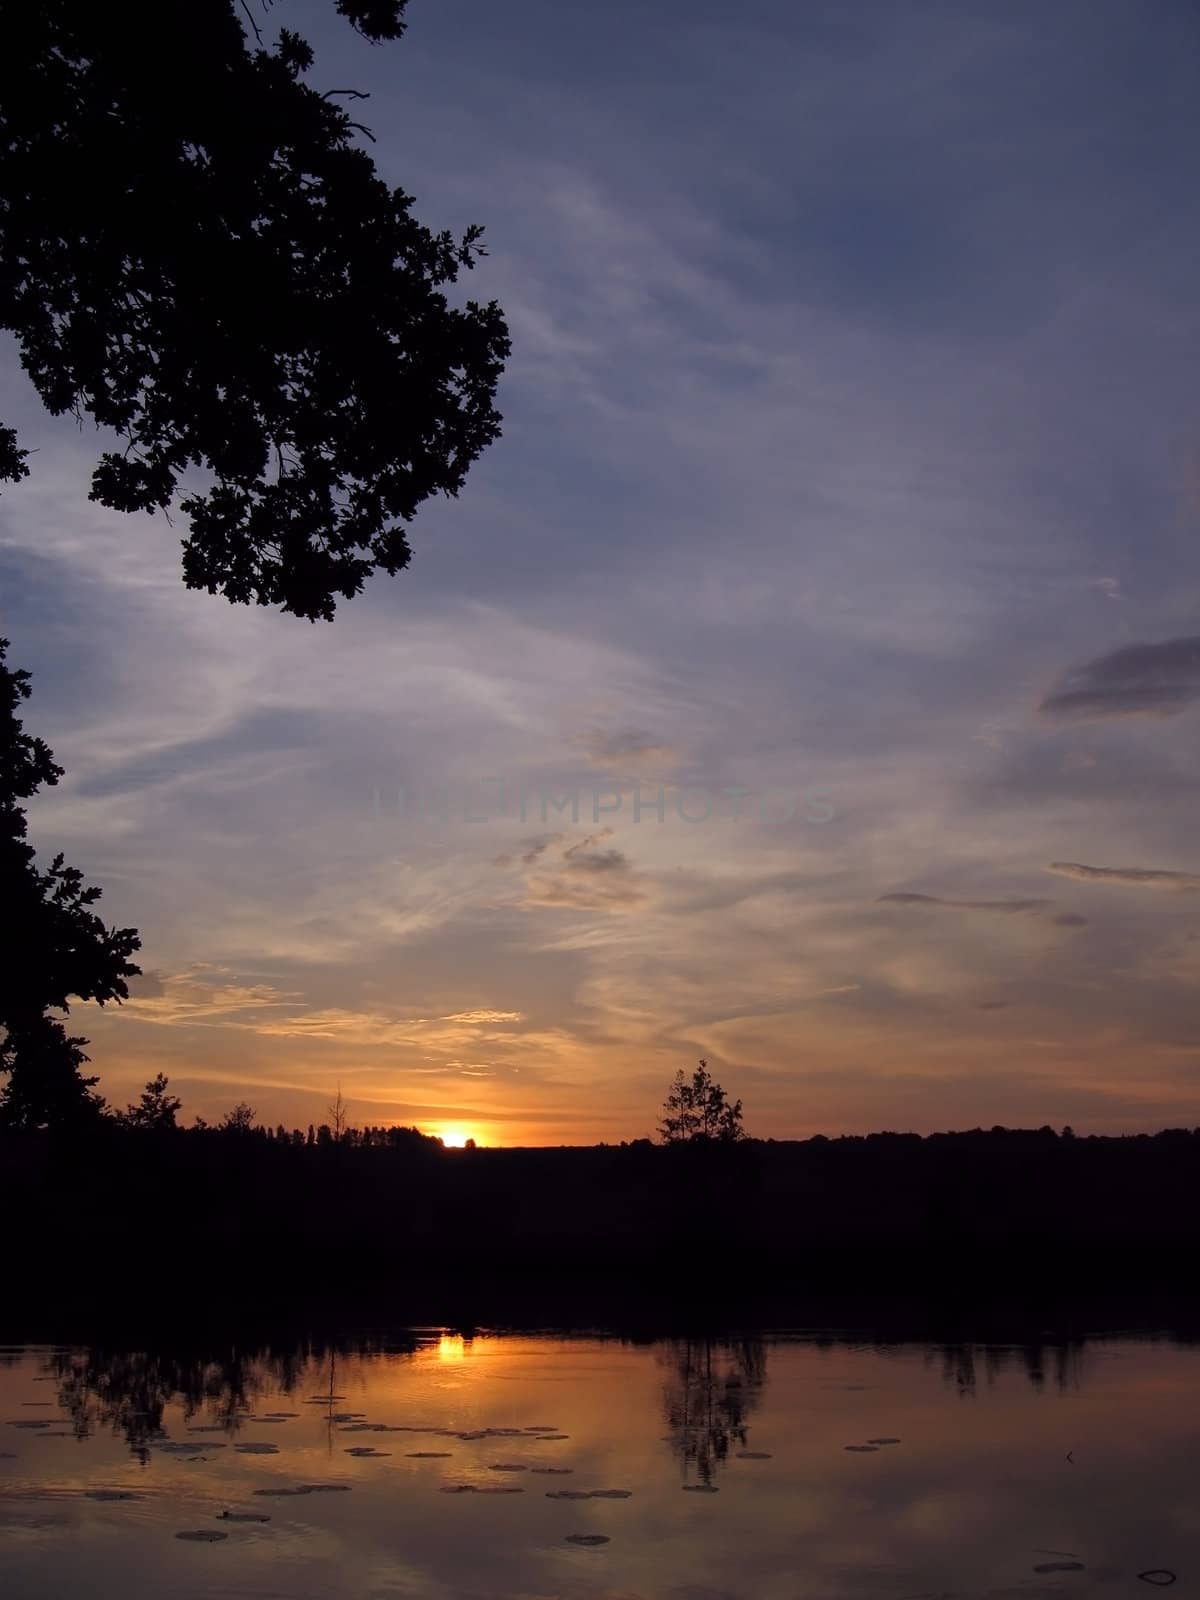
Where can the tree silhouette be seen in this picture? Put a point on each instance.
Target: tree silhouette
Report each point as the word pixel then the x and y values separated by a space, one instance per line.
pixel 195 253
pixel 698 1109
pixel 156 1111
pixel 59 949
pixel 239 1120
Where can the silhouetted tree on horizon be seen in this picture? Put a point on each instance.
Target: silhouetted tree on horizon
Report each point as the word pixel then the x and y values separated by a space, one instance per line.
pixel 156 1111
pixel 58 949
pixel 239 1120
pixel 698 1109
pixel 196 253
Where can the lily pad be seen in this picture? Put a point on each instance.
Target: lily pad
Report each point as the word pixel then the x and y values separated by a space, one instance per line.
pixel 367 1451
pixel 203 1535
pixel 507 1466
pixel 883 1441
pixel 862 1449
pixel 428 1455
pixel 242 1516
pixel 611 1494
pixel 111 1494
pixel 567 1494
pixel 587 1538
pixel 1161 1576
pixel 554 1472
pixel 256 1448
pixel 1059 1566
pixel 754 1455
pixel 700 1488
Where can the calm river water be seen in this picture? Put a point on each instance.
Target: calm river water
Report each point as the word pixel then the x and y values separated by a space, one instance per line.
pixel 429 1465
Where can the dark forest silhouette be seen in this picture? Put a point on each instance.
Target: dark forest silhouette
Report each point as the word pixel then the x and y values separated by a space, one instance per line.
pixel 121 1217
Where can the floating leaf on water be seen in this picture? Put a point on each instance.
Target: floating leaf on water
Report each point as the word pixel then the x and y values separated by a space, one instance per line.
pixel 242 1516
pixel 7 1455
pixel 503 1433
pixel 567 1494
pixel 28 1422
pixel 279 1416
pixel 324 1399
pixel 428 1455
pixel 256 1448
pixel 1059 1566
pixel 554 1472
pixel 203 1535
pixel 458 1488
pixel 507 1466
pixel 539 1427
pixel 366 1450
pixel 611 1494
pixel 476 1433
pixel 862 1449
pixel 587 1538
pixel 208 1427
pixel 883 1441
pixel 754 1455
pixel 59 1434
pixel 324 1488
pixel 699 1488
pixel 111 1494
pixel 1158 1575
pixel 546 1438
pixel 498 1488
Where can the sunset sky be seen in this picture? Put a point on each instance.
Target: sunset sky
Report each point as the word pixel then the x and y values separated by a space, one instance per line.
pixel 851 461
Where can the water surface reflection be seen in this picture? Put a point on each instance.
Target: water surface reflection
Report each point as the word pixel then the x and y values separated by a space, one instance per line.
pixel 459 1463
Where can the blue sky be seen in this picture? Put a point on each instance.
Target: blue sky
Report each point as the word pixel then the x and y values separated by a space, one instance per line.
pixel 852 442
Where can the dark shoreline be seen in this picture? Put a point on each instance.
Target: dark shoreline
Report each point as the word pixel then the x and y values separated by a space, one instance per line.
pixel 862 1294
pixel 1008 1229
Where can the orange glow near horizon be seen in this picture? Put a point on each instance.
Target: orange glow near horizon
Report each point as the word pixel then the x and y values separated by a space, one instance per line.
pixel 454 1138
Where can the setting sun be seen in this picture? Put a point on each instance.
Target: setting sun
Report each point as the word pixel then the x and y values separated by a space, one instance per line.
pixel 454 1138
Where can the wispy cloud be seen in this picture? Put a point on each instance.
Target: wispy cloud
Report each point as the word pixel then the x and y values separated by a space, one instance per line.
pixel 1002 907
pixel 1131 877
pixel 1139 680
